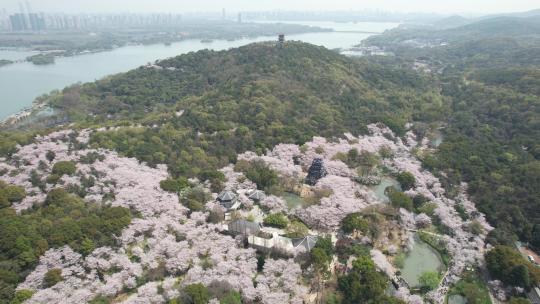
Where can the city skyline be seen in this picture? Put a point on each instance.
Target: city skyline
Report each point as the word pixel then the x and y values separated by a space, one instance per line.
pixel 170 6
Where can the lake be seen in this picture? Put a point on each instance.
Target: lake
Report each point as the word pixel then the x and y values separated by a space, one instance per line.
pixel 13 54
pixel 21 83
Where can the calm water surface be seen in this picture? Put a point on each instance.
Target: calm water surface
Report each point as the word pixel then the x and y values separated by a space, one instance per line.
pixel 21 83
pixel 385 183
pixel 457 299
pixel 420 259
pixel 294 201
pixel 14 55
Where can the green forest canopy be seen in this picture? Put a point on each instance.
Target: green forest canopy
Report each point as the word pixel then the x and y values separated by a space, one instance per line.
pixel 256 96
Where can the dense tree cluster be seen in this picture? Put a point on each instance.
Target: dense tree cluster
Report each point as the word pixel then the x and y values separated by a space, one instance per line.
pixel 174 185
pixel 508 265
pixel 489 75
pixel 64 219
pixel 10 194
pixel 260 173
pixel 364 284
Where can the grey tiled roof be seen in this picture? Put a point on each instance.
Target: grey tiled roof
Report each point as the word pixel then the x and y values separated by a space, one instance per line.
pixel 226 196
pixel 307 242
pixel 244 227
pixel 257 195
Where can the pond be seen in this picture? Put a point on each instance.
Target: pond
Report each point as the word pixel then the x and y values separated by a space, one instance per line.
pixel 379 189
pixel 457 299
pixel 420 259
pixel 293 200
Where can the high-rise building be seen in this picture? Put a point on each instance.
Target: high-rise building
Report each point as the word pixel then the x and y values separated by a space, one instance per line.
pixel 5 24
pixel 24 21
pixel 239 17
pixel 223 14
pixel 18 22
pixel 37 22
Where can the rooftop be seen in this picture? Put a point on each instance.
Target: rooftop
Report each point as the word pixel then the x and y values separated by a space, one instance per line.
pixel 244 227
pixel 257 195
pixel 307 242
pixel 226 196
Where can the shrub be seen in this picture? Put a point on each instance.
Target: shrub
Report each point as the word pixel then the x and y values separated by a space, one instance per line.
pixel 52 179
pixel 297 229
pixel 211 175
pixel 194 205
pixel 4 202
pixel 354 221
pixel 400 200
pixel 224 292
pixel 64 168
pixel 14 193
pixel 363 283
pixel 419 200
pixel 406 180
pixel 195 198
pixel 197 293
pixel 233 297
pixel 428 208
pixel 216 215
pixel 52 277
pixel 386 152
pixel 320 259
pixel 472 288
pixel 21 296
pixel 174 185
pixel 346 248
pixel 399 260
pixel 91 157
pixel 475 227
pixel 318 195
pixel 519 301
pixel 99 300
pixel 325 243
pixel 277 220
pixel 261 174
pixel 429 280
pixel 460 209
pixel 50 155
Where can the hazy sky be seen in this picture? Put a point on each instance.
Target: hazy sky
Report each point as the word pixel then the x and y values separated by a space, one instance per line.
pixel 440 6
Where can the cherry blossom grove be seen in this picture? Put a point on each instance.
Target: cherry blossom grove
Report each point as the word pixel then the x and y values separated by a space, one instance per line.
pixel 347 196
pixel 164 236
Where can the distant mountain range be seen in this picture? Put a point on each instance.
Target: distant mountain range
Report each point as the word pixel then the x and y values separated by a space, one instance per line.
pixel 458 21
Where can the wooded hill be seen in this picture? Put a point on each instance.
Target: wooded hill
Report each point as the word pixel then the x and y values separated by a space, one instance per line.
pixel 206 107
pixel 489 69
